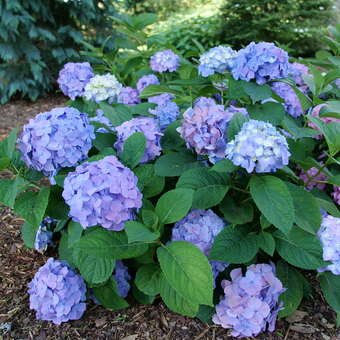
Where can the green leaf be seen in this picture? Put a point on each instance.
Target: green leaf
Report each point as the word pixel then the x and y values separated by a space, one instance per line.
pixel 137 232
pixel 331 76
pixel 289 125
pixel 209 186
pixel 307 290
pixel 155 39
pixel 108 152
pixel 108 295
pixel 330 285
pixel 105 244
pixel 66 253
pixel 257 92
pixel 292 297
pixel 175 164
pixel 101 142
pixel 300 248
pixel 309 80
pixel 117 115
pixel 319 80
pixel 147 278
pixel 141 297
pixel 188 271
pixel 236 89
pixel 8 145
pixel 236 214
pixel 145 19
pixel 234 245
pixel 142 109
pixel 235 125
pixel 4 163
pixel 266 242
pixel 224 165
pixel 57 208
pixel 124 43
pixel 133 150
pixel 150 219
pixel 268 112
pixel 322 55
pixel 131 64
pixel 273 199
pixel 188 72
pixel 325 203
pixel 174 205
pixel 74 230
pixel 29 234
pixel 155 90
pixel 8 191
pixel 172 138
pixel 199 80
pixel 264 222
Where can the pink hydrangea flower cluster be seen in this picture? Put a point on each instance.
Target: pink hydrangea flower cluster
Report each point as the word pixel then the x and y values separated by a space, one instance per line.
pixel 164 61
pixel 310 173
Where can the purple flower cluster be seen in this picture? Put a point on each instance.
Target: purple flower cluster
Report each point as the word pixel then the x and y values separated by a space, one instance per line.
pixel 166 114
pixel 103 192
pixel 336 194
pixel 100 118
pixel 200 228
pixel 149 127
pixel 102 88
pixel 129 96
pixel 250 303
pixel 162 99
pixel 146 81
pixel 73 79
pixel 56 292
pixel 218 59
pixel 44 235
pixel 258 145
pixel 164 61
pixel 296 71
pixel 205 128
pixel 56 139
pixel 262 62
pixel 329 236
pixel 311 173
pixel 204 101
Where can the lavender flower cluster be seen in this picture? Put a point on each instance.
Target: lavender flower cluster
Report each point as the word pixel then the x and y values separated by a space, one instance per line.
pixel 100 118
pixel 73 79
pixel 56 291
pixel 218 59
pixel 329 236
pixel 162 99
pixel 164 61
pixel 56 139
pixel 336 194
pixel 250 303
pixel 146 81
pixel 44 235
pixel 262 62
pixel 200 227
pixel 129 96
pixel 258 145
pixel 149 127
pixel 102 88
pixel 296 71
pixel 103 192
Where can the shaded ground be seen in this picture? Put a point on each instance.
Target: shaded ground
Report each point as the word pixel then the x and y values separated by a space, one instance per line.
pixel 156 321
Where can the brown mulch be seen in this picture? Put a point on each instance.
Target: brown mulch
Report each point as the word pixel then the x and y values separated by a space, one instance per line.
pixel 156 321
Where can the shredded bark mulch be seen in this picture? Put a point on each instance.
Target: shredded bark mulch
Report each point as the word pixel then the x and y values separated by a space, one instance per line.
pixel 316 320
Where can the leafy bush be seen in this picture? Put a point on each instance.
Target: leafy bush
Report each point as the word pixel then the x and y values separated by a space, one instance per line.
pixel 241 182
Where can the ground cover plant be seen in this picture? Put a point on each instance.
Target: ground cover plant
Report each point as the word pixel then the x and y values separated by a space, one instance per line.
pixel 207 175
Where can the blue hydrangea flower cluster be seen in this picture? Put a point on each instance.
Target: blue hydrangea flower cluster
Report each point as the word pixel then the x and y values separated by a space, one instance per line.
pixel 200 227
pixel 258 145
pixel 296 71
pixel 166 114
pixel 56 292
pixel 250 304
pixel 205 127
pixel 103 192
pixel 100 118
pixel 102 88
pixel 204 101
pixel 44 235
pixel 56 139
pixel 262 62
pixel 329 236
pixel 73 79
pixel 164 61
pixel 146 81
pixel 218 59
pixel 129 96
pixel 149 127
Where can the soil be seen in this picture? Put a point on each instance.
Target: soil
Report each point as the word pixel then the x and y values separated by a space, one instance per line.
pixel 18 266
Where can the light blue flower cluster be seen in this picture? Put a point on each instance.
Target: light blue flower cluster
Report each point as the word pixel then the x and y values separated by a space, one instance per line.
pixel 164 61
pixel 44 235
pixel 102 88
pixel 103 192
pixel 149 127
pixel 218 59
pixel 262 62
pixel 258 145
pixel 146 81
pixel 166 114
pixel 56 139
pixel 73 79
pixel 250 303
pixel 200 227
pixel 296 71
pixel 329 236
pixel 100 118
pixel 56 292
pixel 129 96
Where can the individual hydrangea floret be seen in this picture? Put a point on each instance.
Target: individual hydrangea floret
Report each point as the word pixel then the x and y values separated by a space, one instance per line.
pixel 103 87
pixel 162 99
pixel 164 61
pixel 73 79
pixel 205 127
pixel 166 114
pixel 311 173
pixel 56 292
pixel 262 62
pixel 258 145
pixel 329 236
pixel 250 304
pixel 149 127
pixel 129 96
pixel 296 71
pixel 56 139
pixel 200 227
pixel 100 118
pixel 44 234
pixel 103 192
pixel 336 194
pixel 146 81
pixel 218 59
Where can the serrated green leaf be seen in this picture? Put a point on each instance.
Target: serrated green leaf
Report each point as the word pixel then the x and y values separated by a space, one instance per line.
pixel 4 163
pixel 148 183
pixel 289 125
pixel 172 138
pixel 141 297
pixel 237 214
pixel 133 150
pixel 236 89
pixel 224 165
pixel 257 92
pixel 74 230
pixel 155 90
pixel 325 203
pixel 264 222
pixel 29 234
pixel 330 285
pixel 143 109
pixel 8 145
pixel 266 242
pixel 188 72
pixel 101 142
pixel 150 219
pixel 57 208
pixel 268 112
pixel 137 232
pixel 147 278
pixel 198 80
pixel 235 125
